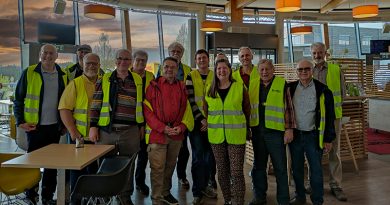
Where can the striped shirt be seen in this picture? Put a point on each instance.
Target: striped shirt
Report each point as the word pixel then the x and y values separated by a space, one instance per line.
pixel 191 97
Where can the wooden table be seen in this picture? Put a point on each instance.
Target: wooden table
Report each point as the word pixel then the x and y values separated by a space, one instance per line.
pixel 61 157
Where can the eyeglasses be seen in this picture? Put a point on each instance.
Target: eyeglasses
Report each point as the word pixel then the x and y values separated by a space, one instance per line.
pixel 123 59
pixel 307 69
pixel 91 63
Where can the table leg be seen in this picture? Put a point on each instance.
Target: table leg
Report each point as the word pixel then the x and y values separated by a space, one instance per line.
pixel 61 190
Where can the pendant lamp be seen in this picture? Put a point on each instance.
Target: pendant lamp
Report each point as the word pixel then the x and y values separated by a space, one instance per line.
pixel 287 5
pixel 211 26
pixel 365 11
pixel 301 30
pixel 95 11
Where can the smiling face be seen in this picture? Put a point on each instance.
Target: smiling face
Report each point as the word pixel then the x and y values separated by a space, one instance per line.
pixel 266 71
pixel 318 54
pixel 48 55
pixel 170 69
pixel 305 70
pixel 245 56
pixel 202 61
pixel 176 52
pixel 223 71
pixel 140 63
pixel 123 60
pixel 91 65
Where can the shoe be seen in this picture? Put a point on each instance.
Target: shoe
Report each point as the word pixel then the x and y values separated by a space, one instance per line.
pixel 197 200
pixel 169 199
pixel 339 194
pixel 49 202
pixel 184 183
pixel 256 201
pixel 144 189
pixel 209 192
pixel 298 202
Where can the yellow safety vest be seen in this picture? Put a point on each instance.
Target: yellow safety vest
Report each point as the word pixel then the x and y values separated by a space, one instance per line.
pixel 104 118
pixel 254 80
pixel 274 105
pixel 322 120
pixel 149 77
pixel 33 94
pixel 188 120
pixel 226 120
pixel 200 86
pixel 80 112
pixel 334 84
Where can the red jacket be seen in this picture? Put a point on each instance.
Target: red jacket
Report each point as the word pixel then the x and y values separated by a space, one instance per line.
pixel 169 103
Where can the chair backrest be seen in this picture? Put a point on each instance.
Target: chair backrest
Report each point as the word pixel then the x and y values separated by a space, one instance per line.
pixel 110 180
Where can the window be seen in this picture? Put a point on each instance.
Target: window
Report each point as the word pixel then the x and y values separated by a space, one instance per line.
pixel 366 40
pixel 371 31
pixel 344 40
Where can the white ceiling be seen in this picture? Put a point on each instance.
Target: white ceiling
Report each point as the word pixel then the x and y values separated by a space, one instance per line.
pixel 306 4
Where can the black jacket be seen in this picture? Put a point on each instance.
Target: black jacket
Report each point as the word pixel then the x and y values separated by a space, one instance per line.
pixel 330 133
pixel 21 90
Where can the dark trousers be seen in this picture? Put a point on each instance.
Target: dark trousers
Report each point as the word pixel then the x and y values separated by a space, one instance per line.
pixel 267 142
pixel 201 164
pixel 142 162
pixel 182 159
pixel 307 143
pixel 43 136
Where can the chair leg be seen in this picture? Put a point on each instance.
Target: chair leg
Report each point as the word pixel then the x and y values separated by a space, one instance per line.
pixel 350 148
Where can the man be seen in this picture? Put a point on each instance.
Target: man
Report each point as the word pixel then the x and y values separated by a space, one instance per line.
pixel 75 70
pixel 203 161
pixel 314 114
pixel 168 115
pixel 221 56
pixel 272 122
pixel 331 75
pixel 176 50
pixel 116 112
pixel 247 72
pixel 35 107
pixel 74 106
pixel 140 59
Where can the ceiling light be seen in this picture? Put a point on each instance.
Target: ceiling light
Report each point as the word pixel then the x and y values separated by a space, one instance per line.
pixel 365 11
pixel 287 5
pixel 301 30
pixel 95 11
pixel 211 26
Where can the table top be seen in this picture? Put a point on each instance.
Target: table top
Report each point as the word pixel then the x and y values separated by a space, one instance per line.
pixel 6 102
pixel 60 156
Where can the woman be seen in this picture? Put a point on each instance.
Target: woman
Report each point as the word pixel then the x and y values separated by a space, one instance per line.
pixel 227 109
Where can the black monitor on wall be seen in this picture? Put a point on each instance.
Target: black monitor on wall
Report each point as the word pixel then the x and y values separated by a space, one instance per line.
pixel 379 46
pixel 56 33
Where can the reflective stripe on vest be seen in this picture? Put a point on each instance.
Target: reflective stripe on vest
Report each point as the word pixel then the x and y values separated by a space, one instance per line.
pixel 334 84
pixel 322 121
pixel 33 95
pixel 253 91
pixel 104 118
pixel 274 105
pixel 80 112
pixel 200 86
pixel 226 120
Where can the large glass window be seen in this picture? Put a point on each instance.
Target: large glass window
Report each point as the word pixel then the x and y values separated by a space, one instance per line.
pixel 9 49
pixel 104 36
pixel 301 43
pixel 371 31
pixel 342 41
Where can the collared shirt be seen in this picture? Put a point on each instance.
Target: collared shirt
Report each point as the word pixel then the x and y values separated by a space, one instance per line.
pixel 245 77
pixel 289 117
pixel 49 114
pixel 320 73
pixel 305 102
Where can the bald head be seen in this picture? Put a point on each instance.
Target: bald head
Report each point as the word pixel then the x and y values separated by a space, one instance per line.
pixel 48 56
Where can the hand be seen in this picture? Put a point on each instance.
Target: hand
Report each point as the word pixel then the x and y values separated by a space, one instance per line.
pixel 203 128
pixel 249 134
pixel 327 147
pixel 288 136
pixel 142 132
pixel 94 134
pixel 28 126
pixel 177 130
pixel 75 135
pixel 167 130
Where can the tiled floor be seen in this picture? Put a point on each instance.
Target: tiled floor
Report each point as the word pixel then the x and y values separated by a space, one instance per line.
pixel 369 186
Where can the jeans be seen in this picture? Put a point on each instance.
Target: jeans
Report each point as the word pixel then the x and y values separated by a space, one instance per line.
pixel 182 159
pixel 269 142
pixel 142 162
pixel 201 164
pixel 306 142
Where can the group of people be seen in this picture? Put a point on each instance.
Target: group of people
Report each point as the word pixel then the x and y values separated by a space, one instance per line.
pixel 217 110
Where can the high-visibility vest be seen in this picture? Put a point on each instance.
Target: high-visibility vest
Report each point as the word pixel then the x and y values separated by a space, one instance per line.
pixel 104 118
pixel 33 94
pixel 71 73
pixel 188 120
pixel 80 112
pixel 334 84
pixel 321 129
pixel 226 120
pixel 254 80
pixel 274 105
pixel 149 77
pixel 200 86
